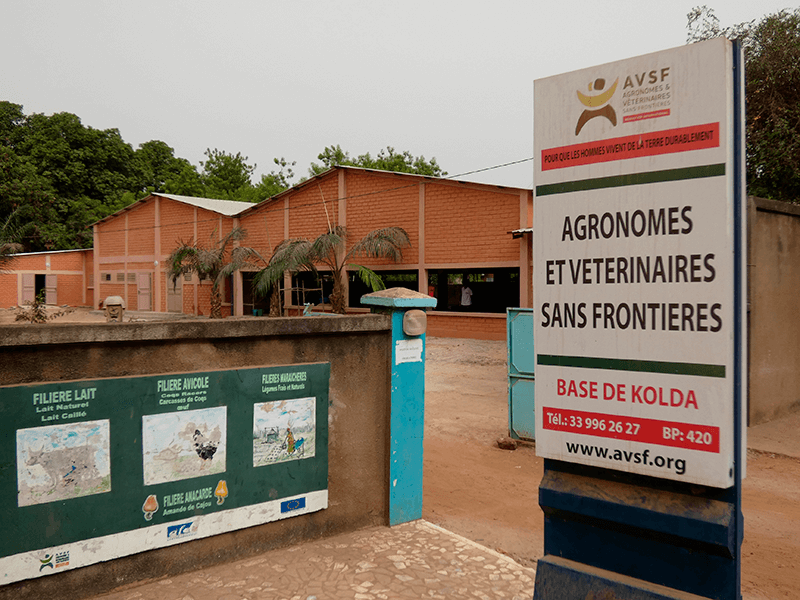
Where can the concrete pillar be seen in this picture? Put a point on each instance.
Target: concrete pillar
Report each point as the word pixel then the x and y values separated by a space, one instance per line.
pixel 407 421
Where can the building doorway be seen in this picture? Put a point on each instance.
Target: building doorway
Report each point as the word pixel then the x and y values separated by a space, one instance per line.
pixel 175 294
pixel 34 284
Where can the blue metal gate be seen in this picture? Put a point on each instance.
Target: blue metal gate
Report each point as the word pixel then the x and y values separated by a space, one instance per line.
pixel 521 380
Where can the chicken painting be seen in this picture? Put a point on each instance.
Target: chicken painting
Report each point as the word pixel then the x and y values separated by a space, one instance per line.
pixel 205 448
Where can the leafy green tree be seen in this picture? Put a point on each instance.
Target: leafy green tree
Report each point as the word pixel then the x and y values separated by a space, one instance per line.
pixel 386 160
pixel 276 182
pixel 329 249
pixel 9 246
pixel 226 176
pixel 11 118
pixel 61 175
pixel 215 261
pixel 156 166
pixel 186 181
pixel 772 91
pixel 80 162
pixel 331 156
pixel 28 196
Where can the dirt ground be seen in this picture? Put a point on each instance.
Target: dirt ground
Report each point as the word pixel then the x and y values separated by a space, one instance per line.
pixel 490 495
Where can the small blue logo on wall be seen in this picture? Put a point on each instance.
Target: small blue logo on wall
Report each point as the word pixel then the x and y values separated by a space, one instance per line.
pixel 181 531
pixel 292 505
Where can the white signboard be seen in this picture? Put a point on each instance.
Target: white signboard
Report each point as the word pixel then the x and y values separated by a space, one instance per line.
pixel 634 262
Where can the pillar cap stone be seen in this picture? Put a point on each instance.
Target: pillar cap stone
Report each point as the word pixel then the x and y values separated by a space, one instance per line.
pixel 398 298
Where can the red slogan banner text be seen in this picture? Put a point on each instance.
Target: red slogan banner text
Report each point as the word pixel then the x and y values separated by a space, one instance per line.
pixel 669 141
pixel 649 431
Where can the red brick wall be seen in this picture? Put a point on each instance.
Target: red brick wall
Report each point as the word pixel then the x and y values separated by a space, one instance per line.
pixel 111 237
pixel 8 290
pixel 307 213
pixel 177 224
pixel 138 225
pixel 467 225
pixel 69 290
pixel 264 227
pixel 141 229
pixel 397 205
pixel 472 327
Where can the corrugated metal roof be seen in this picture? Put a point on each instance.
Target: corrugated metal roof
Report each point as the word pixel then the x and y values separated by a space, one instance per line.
pixel 228 208
pixel 52 252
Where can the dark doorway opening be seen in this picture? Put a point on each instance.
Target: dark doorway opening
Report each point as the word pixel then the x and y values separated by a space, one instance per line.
pixel 39 284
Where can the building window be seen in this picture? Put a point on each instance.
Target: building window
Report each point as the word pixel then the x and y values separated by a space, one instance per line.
pixel 252 302
pixel 131 277
pixel 474 290
pixel 391 279
pixel 105 276
pixel 120 277
pixel 311 288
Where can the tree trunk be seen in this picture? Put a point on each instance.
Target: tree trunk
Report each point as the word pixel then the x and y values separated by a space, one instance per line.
pixel 337 299
pixel 275 301
pixel 216 303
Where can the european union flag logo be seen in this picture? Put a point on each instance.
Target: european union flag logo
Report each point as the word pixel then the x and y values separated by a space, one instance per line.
pixel 290 505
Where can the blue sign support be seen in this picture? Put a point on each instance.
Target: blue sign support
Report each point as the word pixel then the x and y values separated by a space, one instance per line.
pixel 739 303
pixel 407 421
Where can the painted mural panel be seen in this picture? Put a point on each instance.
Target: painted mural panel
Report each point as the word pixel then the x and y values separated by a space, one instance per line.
pixel 60 462
pixel 283 430
pixel 190 455
pixel 182 445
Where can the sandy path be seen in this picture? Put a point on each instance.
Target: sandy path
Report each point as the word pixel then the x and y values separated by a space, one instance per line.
pixel 491 496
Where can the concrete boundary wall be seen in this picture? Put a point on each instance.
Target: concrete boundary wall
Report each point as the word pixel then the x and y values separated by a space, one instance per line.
pixel 359 351
pixel 774 271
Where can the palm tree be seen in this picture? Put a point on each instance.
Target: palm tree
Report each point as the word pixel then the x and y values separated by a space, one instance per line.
pixel 209 262
pixel 329 249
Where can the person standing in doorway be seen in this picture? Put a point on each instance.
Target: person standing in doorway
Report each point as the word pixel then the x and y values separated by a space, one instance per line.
pixel 466 292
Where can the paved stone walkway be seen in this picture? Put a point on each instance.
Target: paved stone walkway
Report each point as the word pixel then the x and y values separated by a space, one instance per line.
pixel 415 560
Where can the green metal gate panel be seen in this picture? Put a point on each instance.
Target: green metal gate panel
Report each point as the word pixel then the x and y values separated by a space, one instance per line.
pixel 521 380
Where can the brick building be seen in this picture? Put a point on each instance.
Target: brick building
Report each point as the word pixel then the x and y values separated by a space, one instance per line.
pixel 131 245
pixel 460 236
pixel 63 275
pixel 456 228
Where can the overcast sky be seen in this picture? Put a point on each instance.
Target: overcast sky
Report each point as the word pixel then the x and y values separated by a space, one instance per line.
pixel 450 79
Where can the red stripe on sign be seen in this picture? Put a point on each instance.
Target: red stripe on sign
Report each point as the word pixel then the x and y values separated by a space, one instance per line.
pixel 650 431
pixel 669 141
pixel 664 112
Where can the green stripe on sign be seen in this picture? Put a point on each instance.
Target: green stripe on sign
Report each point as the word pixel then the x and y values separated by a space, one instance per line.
pixel 619 364
pixel 631 179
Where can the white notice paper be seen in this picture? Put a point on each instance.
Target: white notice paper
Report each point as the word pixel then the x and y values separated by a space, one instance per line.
pixel 408 351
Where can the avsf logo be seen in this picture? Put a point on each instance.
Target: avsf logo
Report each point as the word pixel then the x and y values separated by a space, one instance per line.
pixel 597 105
